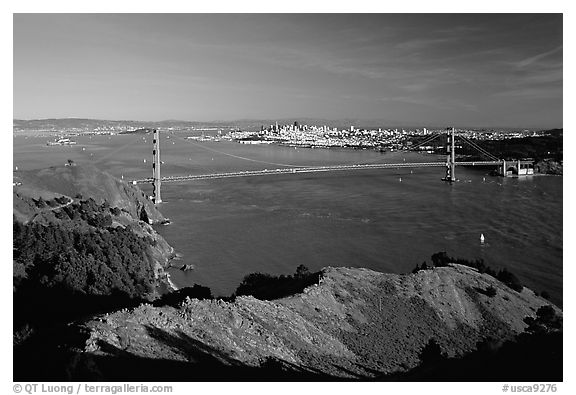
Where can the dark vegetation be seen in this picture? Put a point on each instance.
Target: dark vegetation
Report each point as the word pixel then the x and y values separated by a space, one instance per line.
pixel 96 262
pixel 441 259
pixel 545 295
pixel 537 148
pixel 76 266
pixel 532 356
pixel 176 298
pixel 490 291
pixel 138 131
pixel 535 355
pixel 90 212
pixel 546 321
pixel 55 202
pixel 269 287
pixel 71 266
pixel 549 146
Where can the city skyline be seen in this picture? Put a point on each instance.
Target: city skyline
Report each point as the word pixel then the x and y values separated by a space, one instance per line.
pixel 472 69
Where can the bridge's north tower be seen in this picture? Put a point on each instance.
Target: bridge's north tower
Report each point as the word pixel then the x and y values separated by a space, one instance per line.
pixel 450 157
pixel 156 180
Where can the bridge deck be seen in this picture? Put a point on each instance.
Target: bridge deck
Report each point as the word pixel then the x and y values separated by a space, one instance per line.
pixel 315 169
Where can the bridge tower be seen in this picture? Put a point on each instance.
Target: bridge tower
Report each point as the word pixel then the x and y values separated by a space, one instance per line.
pixel 156 181
pixel 450 157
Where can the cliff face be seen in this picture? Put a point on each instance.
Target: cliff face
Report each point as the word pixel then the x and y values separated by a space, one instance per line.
pixel 354 323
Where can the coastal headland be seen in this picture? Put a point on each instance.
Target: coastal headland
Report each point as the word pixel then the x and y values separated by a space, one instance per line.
pixel 351 323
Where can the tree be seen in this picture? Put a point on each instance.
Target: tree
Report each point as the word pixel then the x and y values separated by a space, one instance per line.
pixel 302 271
pixel 440 259
pixel 510 280
pixel 40 203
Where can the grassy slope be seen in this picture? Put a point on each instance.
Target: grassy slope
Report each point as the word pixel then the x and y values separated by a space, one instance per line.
pixel 86 180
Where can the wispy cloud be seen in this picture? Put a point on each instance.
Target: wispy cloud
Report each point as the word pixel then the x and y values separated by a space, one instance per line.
pixel 528 61
pixel 533 93
pixel 438 103
pixel 421 43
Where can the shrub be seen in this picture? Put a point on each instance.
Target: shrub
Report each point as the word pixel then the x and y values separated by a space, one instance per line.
pixel 268 287
pixel 61 200
pixel 491 291
pixel 175 298
pixel 440 259
pixel 509 279
pixel 546 321
pixel 545 295
pixel 302 271
pixel 40 203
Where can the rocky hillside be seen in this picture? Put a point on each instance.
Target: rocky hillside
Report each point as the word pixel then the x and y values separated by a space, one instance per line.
pixel 83 199
pixel 355 323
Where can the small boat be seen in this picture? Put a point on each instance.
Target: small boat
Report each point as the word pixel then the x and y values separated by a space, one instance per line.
pixel 481 238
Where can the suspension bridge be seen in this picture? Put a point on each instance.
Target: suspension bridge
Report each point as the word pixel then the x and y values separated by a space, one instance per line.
pixel 505 168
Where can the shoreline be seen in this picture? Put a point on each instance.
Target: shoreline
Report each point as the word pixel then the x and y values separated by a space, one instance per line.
pixel 170 282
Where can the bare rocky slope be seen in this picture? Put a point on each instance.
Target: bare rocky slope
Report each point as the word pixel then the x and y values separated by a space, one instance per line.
pixel 356 323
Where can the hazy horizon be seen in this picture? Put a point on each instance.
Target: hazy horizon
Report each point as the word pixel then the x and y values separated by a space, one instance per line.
pixel 484 70
pixel 289 120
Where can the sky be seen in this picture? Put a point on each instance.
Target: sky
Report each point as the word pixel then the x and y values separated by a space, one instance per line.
pixel 426 69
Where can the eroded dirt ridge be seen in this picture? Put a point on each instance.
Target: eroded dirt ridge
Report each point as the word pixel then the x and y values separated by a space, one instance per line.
pixel 354 323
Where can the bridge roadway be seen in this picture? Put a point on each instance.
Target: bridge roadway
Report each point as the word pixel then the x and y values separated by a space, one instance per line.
pixel 314 169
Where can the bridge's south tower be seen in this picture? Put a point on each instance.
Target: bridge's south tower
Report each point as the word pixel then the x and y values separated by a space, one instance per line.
pixel 156 181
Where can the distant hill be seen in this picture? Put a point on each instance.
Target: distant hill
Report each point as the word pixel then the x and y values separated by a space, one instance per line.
pixel 80 124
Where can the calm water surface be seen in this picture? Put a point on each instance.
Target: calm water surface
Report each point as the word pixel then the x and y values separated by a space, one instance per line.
pixel 231 227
